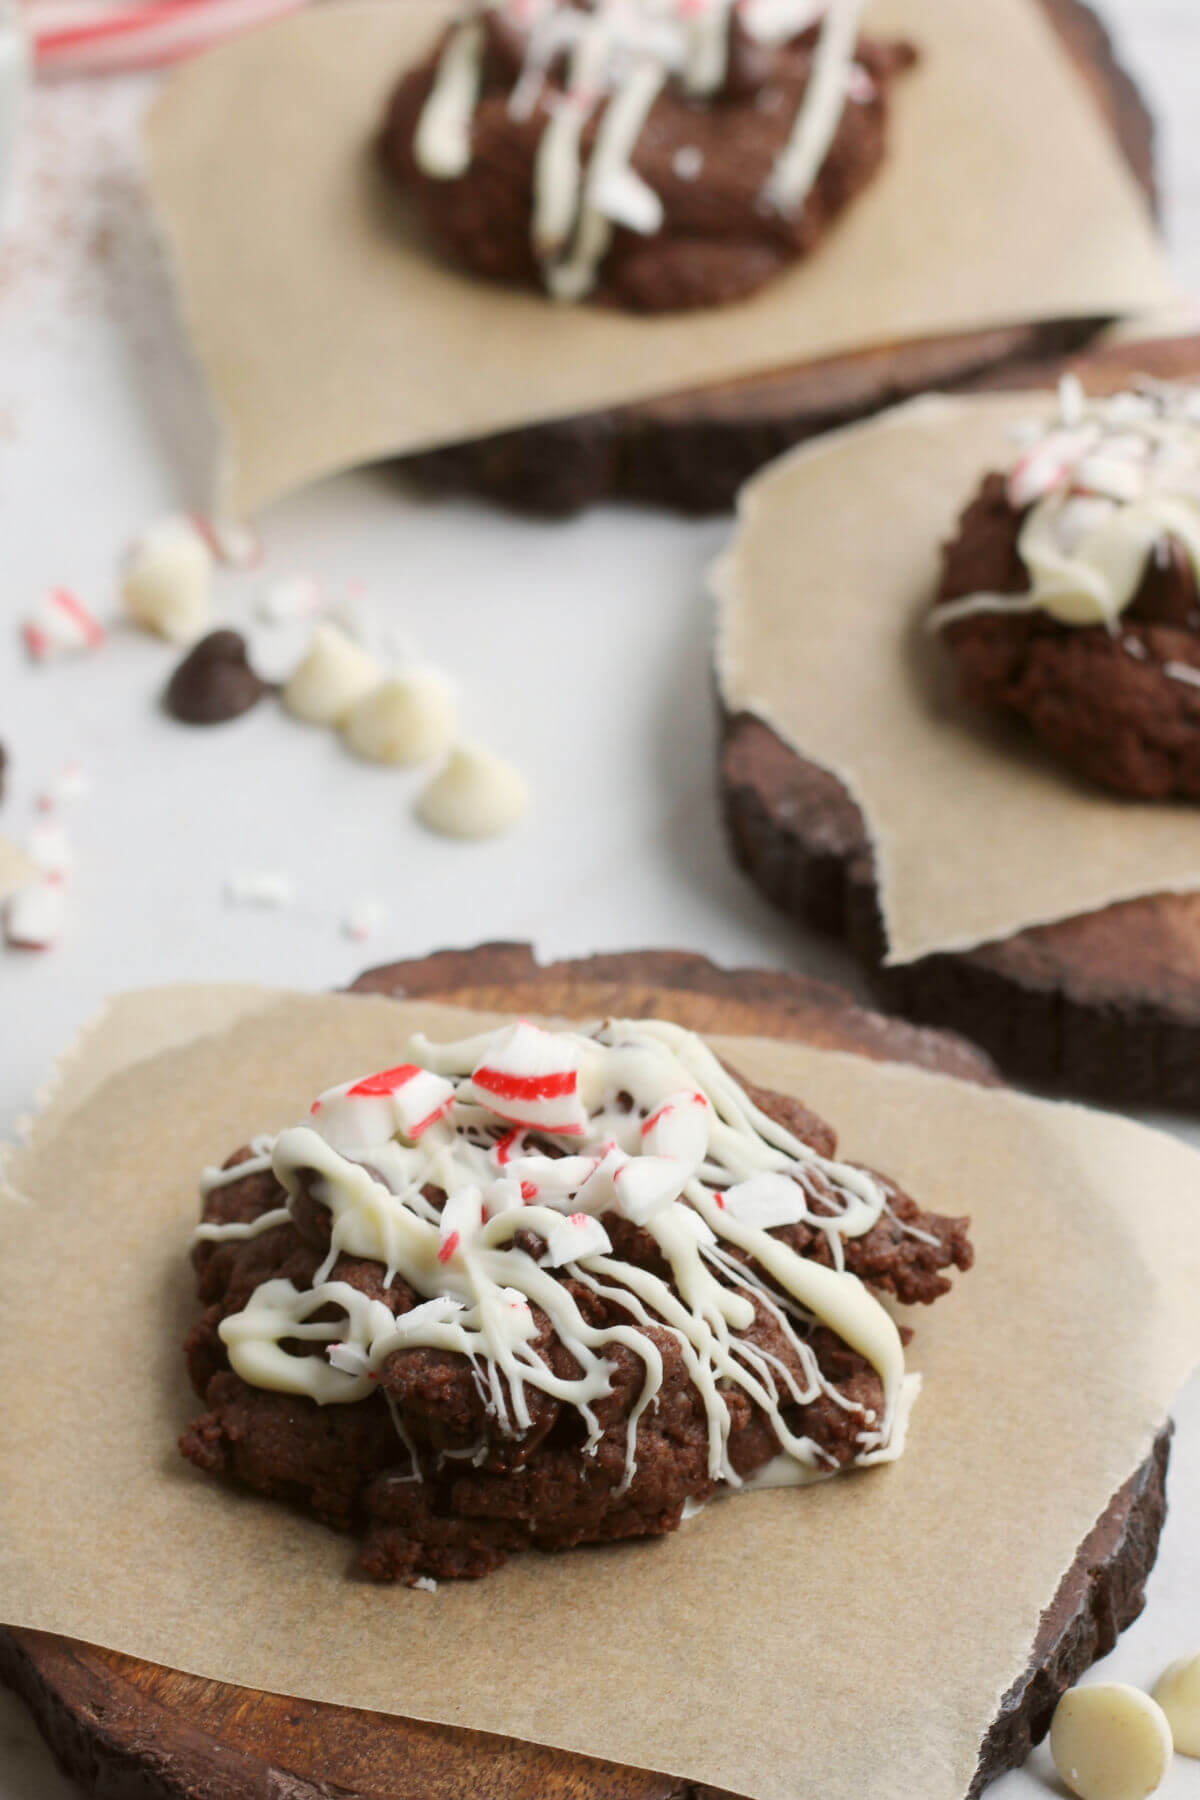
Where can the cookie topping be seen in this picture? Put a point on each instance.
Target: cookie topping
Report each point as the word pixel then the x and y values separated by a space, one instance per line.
pixel 616 57
pixel 500 1178
pixel 1109 488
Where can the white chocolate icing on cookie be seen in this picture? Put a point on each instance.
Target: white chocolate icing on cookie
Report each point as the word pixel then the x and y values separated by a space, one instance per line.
pixel 1110 485
pixel 648 1127
pixel 620 54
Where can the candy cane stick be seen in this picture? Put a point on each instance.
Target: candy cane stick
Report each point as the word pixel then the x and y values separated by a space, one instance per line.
pixel 142 37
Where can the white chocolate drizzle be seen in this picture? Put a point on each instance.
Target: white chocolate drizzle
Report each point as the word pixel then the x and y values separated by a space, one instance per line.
pixel 620 54
pixel 650 1128
pixel 1110 485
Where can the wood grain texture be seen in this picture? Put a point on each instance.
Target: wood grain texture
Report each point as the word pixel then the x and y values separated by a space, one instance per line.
pixel 693 451
pixel 130 1730
pixel 1105 1004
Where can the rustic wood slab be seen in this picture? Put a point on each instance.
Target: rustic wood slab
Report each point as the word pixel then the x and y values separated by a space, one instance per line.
pixel 693 451
pixel 129 1730
pixel 1105 1004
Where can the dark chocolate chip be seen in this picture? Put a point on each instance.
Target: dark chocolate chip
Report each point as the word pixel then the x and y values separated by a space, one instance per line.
pixel 214 682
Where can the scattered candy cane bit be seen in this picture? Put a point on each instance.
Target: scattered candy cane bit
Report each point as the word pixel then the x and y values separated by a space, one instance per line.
pixel 60 625
pixel 267 888
pixel 70 784
pixel 424 1584
pixel 1182 672
pixel 35 915
pixel 234 546
pixel 149 35
pixel 361 920
pixel 48 846
pixel 292 597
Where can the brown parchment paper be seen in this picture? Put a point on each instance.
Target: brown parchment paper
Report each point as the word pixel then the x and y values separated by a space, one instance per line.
pixel 854 1639
pixel 977 831
pixel 331 335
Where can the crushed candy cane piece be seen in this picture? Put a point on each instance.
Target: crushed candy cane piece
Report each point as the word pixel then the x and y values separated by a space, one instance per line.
pixel 236 546
pixel 679 1128
pixel 406 719
pixel 424 1584
pixel 333 675
pixel 71 783
pixel 364 917
pixel 60 625
pixel 48 846
pixel 349 1358
pixel 531 1078
pixel 462 1215
pixel 294 597
pixel 577 1236
pixel 370 1111
pixel 260 887
pixel 35 915
pixel 645 1184
pixel 167 581
pixel 766 1200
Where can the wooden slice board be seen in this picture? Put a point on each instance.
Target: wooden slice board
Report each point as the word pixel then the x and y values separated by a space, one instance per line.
pixel 693 451
pixel 129 1730
pixel 1106 1003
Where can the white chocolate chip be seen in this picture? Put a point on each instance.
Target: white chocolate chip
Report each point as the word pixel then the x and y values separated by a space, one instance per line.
pixel 1177 1691
pixel 406 719
pixel 1110 1742
pixel 477 794
pixel 165 587
pixel 331 678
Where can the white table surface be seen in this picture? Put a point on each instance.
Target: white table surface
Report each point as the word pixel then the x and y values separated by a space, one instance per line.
pixel 582 650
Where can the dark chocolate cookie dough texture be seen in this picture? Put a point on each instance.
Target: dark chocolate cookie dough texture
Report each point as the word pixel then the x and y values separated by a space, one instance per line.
pixel 1069 595
pixel 649 154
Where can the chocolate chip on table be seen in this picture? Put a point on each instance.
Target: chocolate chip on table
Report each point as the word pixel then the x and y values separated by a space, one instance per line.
pixel 214 682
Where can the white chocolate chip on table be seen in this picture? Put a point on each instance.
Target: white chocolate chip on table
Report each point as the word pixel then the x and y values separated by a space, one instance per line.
pixel 1177 1691
pixel 406 719
pixel 332 677
pixel 477 794
pixel 1110 1742
pixel 167 581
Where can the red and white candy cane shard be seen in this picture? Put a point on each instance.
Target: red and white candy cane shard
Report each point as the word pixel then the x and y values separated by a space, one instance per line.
pixel 34 916
pixel 71 783
pixel 235 546
pixel 49 847
pixel 577 1236
pixel 146 36
pixel 646 1184
pixel 679 1128
pixel 419 1098
pixel 353 1121
pixel 766 1200
pixel 1046 466
pixel 462 1215
pixel 372 1110
pixel 531 1077
pixel 551 1180
pixel 60 625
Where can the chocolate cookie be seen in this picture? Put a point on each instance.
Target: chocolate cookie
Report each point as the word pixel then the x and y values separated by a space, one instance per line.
pixel 618 1282
pixel 1069 594
pixel 651 158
